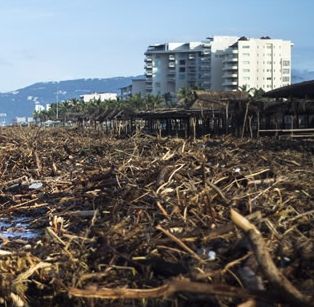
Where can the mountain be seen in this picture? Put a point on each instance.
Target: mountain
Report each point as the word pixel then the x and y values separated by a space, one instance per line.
pixel 302 75
pixel 22 101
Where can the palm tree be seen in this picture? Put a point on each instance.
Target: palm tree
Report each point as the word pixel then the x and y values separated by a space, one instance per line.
pixel 186 97
pixel 152 102
pixel 169 100
pixel 136 102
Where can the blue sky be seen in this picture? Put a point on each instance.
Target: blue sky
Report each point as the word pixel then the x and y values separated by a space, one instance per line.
pixel 44 40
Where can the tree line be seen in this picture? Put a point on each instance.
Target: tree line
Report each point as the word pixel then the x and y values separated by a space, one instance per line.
pixel 77 110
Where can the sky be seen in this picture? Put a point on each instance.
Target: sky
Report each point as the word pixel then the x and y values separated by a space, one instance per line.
pixel 54 40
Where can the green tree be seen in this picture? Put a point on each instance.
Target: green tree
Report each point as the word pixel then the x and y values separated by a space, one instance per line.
pixel 186 97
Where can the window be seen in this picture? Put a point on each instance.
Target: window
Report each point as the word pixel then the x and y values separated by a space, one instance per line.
pixel 285 79
pixel 246 70
pixel 246 78
pixel 269 62
pixel 245 54
pixel 269 78
pixel 182 69
pixel 285 63
pixel 181 77
pixel 268 46
pixel 286 71
pixel 246 62
pixel 182 62
pixel 246 47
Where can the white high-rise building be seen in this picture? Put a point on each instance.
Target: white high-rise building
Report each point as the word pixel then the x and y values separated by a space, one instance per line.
pixel 257 63
pixel 218 63
pixel 172 66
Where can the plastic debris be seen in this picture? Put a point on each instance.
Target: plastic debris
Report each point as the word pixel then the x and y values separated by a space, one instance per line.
pixel 36 186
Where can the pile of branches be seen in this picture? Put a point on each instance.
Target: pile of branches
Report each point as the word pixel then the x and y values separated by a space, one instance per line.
pixel 157 221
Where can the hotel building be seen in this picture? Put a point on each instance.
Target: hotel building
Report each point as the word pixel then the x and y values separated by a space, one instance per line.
pixel 220 63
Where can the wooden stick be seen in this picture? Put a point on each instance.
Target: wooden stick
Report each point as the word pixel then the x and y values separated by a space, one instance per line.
pixel 219 192
pixel 179 242
pixel 165 290
pixel 286 291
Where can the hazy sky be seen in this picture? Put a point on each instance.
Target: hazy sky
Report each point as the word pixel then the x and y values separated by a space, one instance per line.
pixel 44 40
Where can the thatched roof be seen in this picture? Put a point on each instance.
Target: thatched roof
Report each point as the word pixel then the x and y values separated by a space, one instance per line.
pixel 217 100
pixel 298 90
pixel 221 96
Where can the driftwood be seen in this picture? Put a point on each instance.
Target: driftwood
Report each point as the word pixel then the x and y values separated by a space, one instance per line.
pixel 86 216
pixel 167 290
pixel 286 291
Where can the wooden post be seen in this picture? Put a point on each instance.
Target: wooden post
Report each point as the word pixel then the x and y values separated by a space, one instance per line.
pixel 158 130
pixel 227 118
pixel 193 123
pixel 292 120
pixel 258 123
pixel 250 126
pixel 245 119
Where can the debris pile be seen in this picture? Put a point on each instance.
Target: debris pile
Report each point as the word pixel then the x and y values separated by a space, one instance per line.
pixel 157 221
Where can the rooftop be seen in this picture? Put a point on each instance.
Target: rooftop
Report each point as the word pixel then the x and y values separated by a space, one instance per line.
pixel 297 90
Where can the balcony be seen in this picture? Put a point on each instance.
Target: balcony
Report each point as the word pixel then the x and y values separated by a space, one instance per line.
pixel 230 60
pixel 205 68
pixel 230 75
pixel 148 59
pixel 230 67
pixel 205 52
pixel 171 65
pixel 148 66
pixel 205 77
pixel 172 58
pixel 229 83
pixel 205 84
